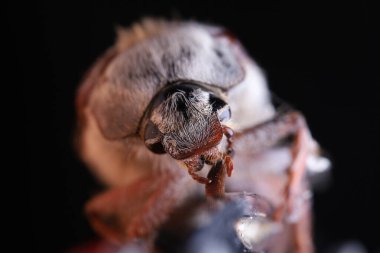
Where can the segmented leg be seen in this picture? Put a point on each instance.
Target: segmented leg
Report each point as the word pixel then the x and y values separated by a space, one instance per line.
pixel 302 231
pixel 136 210
pixel 196 177
pixel 268 134
pixel 296 170
pixel 215 188
pixel 298 213
pixel 229 165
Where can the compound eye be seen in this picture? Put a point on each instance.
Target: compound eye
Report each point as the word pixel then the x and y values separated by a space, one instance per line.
pixel 152 138
pixel 222 108
pixel 224 114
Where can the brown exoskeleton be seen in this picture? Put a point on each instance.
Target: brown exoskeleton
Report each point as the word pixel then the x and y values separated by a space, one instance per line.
pixel 174 95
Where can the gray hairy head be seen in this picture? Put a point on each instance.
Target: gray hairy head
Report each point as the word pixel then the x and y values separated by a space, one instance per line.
pixel 184 119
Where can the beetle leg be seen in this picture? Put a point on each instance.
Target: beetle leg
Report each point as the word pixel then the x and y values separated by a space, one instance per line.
pixel 229 165
pixel 303 242
pixel 136 210
pixel 216 176
pixel 196 177
pixel 195 164
pixel 296 170
pixel 268 134
pixel 298 212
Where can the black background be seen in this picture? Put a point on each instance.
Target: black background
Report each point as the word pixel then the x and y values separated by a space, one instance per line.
pixel 321 57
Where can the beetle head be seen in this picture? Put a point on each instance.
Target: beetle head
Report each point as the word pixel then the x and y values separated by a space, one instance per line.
pixel 184 120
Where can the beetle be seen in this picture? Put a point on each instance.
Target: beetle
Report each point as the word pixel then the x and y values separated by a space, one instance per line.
pixel 173 98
